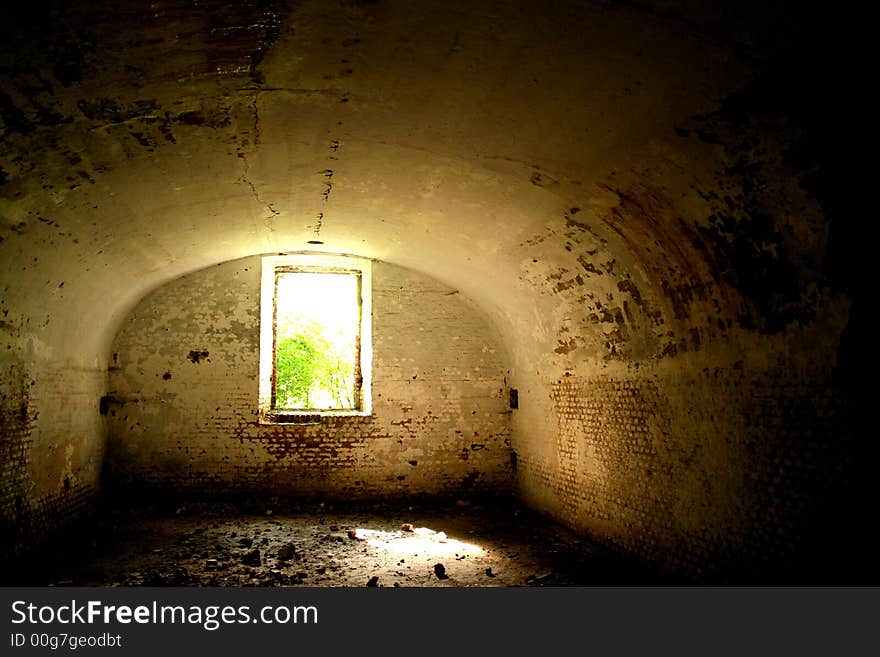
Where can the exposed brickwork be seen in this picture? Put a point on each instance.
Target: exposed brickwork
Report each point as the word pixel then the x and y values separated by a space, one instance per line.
pixel 440 421
pixel 716 475
pixel 15 443
pixel 50 451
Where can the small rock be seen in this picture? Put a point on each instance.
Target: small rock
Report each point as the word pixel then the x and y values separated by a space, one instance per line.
pixel 489 573
pixel 245 542
pixel 251 558
pixel 352 533
pixel 320 570
pixel 286 552
pixel 440 571
pixel 374 581
pixel 406 527
pixel 211 564
pixel 334 528
pixel 538 579
pixel 264 540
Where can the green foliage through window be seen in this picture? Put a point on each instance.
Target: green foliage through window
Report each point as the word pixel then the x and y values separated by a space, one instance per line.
pixel 308 364
pixel 316 341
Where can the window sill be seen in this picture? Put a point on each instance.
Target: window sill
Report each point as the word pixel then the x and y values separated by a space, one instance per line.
pixel 306 417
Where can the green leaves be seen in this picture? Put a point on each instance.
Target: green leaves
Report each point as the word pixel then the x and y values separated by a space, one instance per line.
pixel 294 371
pixel 312 372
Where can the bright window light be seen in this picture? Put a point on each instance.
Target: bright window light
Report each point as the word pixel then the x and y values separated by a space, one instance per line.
pixel 315 345
pixel 317 321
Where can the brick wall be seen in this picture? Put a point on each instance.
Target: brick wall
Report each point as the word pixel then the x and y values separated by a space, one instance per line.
pixel 51 447
pixel 722 475
pixel 440 421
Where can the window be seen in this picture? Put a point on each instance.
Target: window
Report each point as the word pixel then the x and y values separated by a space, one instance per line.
pixel 315 347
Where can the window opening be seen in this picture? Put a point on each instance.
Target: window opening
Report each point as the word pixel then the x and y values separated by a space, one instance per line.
pixel 315 337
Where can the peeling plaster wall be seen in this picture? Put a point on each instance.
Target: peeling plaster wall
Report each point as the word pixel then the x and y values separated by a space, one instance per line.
pixel 180 425
pixel 695 395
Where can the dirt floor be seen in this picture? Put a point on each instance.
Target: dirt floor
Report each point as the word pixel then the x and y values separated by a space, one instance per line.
pixel 454 544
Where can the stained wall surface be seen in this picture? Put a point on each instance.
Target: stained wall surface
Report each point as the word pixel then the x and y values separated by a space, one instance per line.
pixel 183 398
pixel 51 444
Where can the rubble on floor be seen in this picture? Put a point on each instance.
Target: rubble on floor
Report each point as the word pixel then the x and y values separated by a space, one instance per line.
pixel 456 544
